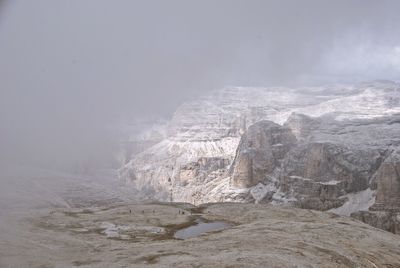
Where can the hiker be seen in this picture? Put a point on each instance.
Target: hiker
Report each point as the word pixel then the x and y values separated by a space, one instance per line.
pixel 130 211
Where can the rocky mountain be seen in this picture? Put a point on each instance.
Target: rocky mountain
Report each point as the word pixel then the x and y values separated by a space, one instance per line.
pixel 327 148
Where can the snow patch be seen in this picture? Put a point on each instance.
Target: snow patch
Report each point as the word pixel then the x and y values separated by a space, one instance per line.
pixel 112 230
pixel 360 201
pixel 332 182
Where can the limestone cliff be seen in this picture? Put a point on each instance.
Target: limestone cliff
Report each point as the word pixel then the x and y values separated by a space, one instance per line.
pixel 326 148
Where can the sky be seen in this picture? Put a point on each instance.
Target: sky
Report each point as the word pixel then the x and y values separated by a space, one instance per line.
pixel 69 68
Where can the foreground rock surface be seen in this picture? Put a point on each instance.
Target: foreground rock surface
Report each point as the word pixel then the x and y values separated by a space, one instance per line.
pixel 140 236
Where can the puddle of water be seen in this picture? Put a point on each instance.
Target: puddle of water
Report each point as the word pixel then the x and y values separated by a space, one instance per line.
pixel 200 227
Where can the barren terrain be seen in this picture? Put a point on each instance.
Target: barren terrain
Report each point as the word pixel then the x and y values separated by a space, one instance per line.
pixel 141 235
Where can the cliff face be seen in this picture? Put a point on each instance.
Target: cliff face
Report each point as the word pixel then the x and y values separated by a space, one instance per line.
pixel 388 183
pixel 320 148
pixel 385 212
pixel 260 153
pixel 316 172
pixel 208 128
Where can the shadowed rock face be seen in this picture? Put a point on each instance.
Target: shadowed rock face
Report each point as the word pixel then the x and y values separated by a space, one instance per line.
pixel 388 184
pixel 385 213
pixel 313 174
pixel 316 174
pixel 385 220
pixel 260 152
pixel 309 171
pixel 327 171
pixel 316 161
pixel 319 168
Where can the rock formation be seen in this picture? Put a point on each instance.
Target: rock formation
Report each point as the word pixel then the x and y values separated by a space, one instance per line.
pixel 388 184
pixel 385 213
pixel 259 153
pixel 326 148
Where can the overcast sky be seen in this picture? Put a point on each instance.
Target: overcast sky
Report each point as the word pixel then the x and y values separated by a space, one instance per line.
pixel 69 67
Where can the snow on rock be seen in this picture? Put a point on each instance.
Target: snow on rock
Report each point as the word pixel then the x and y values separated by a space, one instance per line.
pixel 112 230
pixel 261 191
pixel 360 201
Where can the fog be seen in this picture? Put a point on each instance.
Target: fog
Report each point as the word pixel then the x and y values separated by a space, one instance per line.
pixel 71 69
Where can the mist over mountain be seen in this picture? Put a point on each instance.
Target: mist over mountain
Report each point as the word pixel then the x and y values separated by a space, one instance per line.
pixel 229 133
pixel 71 69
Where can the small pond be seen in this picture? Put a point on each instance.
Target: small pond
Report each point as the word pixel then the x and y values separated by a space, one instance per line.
pixel 200 227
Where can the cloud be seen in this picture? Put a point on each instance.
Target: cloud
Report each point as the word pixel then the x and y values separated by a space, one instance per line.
pixel 362 59
pixel 69 69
